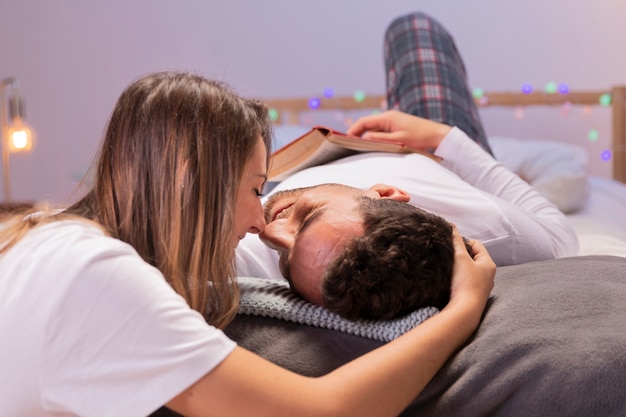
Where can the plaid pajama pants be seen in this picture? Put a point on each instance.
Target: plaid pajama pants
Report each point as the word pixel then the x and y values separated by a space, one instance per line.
pixel 426 76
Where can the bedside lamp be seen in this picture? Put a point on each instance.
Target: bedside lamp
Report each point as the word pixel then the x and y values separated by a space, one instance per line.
pixel 15 134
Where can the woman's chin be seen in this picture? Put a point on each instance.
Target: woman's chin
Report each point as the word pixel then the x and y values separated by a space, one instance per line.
pixel 236 240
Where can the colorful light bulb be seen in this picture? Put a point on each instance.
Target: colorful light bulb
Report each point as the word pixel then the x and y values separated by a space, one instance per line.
pixel 314 103
pixel 605 99
pixel 359 96
pixel 527 88
pixel 551 88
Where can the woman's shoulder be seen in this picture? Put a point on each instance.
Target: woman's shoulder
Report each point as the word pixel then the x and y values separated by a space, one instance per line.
pixel 74 232
pixel 71 244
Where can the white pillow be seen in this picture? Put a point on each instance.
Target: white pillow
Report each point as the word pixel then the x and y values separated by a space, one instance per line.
pixel 555 169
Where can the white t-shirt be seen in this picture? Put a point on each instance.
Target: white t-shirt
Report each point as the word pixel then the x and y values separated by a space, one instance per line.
pixel 89 329
pixel 469 188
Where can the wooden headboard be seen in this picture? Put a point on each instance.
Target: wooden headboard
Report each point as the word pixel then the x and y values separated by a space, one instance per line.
pixel 289 110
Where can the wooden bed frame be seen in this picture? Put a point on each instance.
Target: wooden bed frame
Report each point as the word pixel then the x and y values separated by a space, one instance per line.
pixel 293 107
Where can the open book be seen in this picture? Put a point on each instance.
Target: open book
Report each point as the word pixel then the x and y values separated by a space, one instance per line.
pixel 321 145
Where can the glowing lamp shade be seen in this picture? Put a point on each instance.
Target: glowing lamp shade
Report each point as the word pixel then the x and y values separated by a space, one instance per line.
pixel 21 137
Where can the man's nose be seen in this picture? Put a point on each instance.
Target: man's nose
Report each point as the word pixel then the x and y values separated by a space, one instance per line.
pixel 278 235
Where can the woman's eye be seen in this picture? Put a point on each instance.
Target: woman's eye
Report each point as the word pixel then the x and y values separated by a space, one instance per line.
pixel 258 192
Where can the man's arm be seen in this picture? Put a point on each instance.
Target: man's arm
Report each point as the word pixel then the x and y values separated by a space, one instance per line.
pixel 470 162
pixel 475 166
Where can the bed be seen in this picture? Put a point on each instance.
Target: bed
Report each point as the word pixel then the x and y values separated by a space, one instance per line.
pixel 552 338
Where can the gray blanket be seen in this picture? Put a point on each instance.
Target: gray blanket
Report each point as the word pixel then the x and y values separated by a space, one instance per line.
pixel 273 298
pixel 552 343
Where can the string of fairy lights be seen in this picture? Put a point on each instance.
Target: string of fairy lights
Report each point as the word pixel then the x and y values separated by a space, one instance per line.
pixel 482 100
pixel 555 88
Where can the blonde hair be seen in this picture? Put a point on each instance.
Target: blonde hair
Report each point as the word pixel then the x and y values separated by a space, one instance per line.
pixel 166 179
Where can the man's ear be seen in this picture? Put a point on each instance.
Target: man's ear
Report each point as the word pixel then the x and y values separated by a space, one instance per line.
pixel 389 191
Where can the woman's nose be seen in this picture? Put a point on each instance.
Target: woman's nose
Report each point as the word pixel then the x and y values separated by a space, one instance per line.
pixel 258 225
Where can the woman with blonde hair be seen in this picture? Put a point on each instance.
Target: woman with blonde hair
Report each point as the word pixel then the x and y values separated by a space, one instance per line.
pixel 104 305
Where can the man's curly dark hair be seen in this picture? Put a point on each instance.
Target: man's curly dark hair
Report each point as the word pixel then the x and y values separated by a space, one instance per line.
pixel 402 262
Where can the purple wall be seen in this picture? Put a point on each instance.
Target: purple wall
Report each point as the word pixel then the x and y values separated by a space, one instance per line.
pixel 74 58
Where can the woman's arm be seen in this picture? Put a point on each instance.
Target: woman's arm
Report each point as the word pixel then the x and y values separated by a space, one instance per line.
pixel 380 383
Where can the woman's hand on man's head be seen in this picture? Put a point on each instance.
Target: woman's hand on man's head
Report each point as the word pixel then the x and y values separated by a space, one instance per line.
pixel 472 278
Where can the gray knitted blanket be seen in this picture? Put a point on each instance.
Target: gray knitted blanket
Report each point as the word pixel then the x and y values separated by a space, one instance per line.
pixel 273 298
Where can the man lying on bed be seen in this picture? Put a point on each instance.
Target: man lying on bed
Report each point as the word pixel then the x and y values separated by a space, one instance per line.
pixel 317 233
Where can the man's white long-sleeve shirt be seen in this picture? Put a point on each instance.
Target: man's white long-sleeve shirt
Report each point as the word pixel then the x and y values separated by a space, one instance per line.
pixel 484 199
